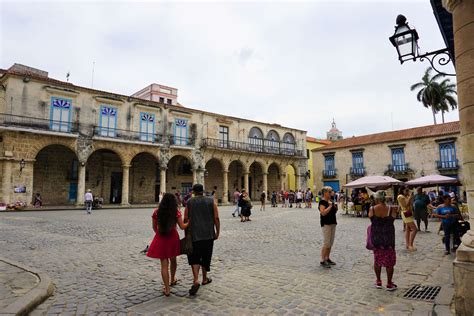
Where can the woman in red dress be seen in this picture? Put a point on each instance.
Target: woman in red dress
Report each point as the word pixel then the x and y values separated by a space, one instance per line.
pixel 165 244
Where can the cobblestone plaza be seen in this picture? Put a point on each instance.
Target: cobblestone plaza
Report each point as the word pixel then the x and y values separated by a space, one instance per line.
pixel 267 266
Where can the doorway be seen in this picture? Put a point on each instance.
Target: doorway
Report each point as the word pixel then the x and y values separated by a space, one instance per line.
pixel 116 188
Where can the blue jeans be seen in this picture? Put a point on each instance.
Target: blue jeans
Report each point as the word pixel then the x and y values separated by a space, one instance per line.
pixel 237 210
pixel 450 228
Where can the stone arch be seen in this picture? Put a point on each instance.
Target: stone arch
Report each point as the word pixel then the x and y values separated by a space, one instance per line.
pixel 273 135
pixel 41 143
pixel 179 174
pixel 122 152
pixel 55 175
pixel 291 175
pixel 288 144
pixel 256 171
pixel 214 178
pixel 104 173
pixel 274 177
pixel 144 178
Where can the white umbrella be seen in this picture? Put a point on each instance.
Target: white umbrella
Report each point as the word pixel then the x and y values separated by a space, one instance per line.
pixel 374 182
pixel 432 180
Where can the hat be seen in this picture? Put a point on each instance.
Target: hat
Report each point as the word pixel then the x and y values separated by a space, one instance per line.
pixel 89 190
pixel 198 188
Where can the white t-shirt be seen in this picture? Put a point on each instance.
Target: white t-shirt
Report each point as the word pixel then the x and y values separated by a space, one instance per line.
pixel 299 195
pixel 88 197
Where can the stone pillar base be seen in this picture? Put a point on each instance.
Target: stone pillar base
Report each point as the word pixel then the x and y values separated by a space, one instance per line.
pixel 464 280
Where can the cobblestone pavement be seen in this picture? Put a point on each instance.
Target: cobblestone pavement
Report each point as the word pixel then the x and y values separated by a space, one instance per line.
pixel 267 266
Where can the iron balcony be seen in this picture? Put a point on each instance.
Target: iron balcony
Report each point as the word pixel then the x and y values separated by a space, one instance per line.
pixel 34 123
pixel 257 146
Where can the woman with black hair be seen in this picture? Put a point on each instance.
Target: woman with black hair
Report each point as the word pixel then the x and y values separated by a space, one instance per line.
pixel 165 245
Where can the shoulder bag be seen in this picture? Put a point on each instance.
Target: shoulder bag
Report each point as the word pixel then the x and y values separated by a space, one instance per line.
pixel 186 243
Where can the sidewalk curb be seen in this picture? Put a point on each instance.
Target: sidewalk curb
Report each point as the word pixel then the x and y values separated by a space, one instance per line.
pixel 26 303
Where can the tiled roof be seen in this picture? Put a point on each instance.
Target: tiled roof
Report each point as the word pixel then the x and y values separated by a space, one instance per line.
pixel 318 141
pixel 154 103
pixel 395 136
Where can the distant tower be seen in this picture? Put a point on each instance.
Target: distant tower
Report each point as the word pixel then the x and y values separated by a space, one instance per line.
pixel 334 134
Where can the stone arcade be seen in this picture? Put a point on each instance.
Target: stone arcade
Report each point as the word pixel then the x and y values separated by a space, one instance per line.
pixel 129 149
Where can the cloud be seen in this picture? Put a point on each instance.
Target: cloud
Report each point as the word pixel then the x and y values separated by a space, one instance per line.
pixel 298 64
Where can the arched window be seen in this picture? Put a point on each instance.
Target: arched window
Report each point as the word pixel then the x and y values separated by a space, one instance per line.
pixel 256 139
pixel 289 145
pixel 273 142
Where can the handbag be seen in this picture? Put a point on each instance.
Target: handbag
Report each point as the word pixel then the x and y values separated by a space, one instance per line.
pixel 186 243
pixel 369 244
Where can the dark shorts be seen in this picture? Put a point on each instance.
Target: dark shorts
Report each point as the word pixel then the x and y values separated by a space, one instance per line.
pixel 299 200
pixel 421 214
pixel 202 254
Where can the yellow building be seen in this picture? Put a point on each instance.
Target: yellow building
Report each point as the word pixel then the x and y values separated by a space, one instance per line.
pixel 311 143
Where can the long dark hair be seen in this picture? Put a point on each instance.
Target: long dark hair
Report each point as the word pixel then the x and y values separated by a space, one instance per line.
pixel 167 213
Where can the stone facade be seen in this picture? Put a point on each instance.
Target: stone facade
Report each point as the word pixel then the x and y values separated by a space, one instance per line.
pixel 128 150
pixel 420 156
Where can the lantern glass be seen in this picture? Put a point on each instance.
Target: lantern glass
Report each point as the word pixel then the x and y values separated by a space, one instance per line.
pixel 405 41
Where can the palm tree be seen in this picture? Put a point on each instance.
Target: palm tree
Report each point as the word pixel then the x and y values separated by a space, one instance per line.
pixel 428 95
pixel 446 100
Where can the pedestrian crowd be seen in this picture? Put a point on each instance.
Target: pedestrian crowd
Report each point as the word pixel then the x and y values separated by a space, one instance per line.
pixel 201 225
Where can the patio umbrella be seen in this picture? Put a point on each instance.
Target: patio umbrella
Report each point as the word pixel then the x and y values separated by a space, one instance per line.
pixel 432 180
pixel 374 182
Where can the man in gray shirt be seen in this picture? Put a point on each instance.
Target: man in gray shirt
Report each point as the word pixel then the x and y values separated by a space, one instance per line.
pixel 203 217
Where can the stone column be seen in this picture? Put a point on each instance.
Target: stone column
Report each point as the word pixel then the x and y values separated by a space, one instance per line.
pixel 463 30
pixel 81 183
pixel 225 186
pixel 125 183
pixel 7 186
pixel 297 181
pixel 195 176
pixel 265 183
pixel 283 180
pixel 246 181
pixel 163 179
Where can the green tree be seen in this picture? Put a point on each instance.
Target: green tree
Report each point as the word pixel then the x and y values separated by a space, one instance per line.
pixel 446 99
pixel 429 94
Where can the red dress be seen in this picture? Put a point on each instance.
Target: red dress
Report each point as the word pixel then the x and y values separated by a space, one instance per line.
pixel 165 246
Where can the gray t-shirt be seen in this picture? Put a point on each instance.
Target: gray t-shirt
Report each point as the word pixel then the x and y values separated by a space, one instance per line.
pixel 201 215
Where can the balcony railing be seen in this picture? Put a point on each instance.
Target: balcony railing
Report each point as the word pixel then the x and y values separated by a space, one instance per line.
pixel 127 135
pixel 402 168
pixel 360 171
pixel 35 123
pixel 329 173
pixel 181 141
pixel 447 164
pixel 266 147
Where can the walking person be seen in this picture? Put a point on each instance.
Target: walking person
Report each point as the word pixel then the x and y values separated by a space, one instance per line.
pixel 88 198
pixel 383 240
pixel 420 206
pixel 449 221
pixel 327 210
pixel 203 216
pixel 263 198
pixel 299 198
pixel 405 201
pixel 246 205
pixel 286 198
pixel 236 202
pixel 274 199
pixel 165 245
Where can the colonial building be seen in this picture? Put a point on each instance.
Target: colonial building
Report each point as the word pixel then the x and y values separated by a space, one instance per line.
pixel 59 140
pixel 334 134
pixel 311 143
pixel 403 154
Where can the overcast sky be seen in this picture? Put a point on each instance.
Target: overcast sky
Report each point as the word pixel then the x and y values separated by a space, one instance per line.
pixel 299 64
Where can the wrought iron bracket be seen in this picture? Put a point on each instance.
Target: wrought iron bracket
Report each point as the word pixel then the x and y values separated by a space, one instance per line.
pixel 439 57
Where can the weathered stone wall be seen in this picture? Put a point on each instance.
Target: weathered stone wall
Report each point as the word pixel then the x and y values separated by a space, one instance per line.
pixel 53 175
pixel 420 154
pixel 214 178
pixel 143 179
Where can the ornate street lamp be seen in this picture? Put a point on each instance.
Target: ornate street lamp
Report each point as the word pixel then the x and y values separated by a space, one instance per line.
pixel 405 40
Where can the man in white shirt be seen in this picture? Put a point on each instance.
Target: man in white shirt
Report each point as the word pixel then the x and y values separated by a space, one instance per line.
pixel 88 198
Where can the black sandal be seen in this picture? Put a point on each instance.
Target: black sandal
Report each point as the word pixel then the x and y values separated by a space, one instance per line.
pixel 194 289
pixel 208 280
